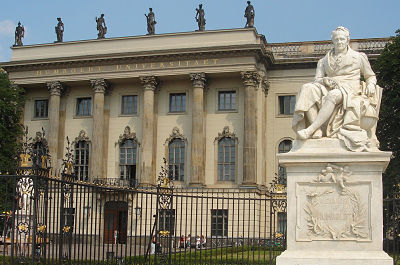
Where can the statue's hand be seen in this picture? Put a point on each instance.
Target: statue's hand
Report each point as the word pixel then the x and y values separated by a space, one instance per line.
pixel 329 82
pixel 371 90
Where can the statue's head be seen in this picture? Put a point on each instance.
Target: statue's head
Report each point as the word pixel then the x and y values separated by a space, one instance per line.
pixel 102 15
pixel 59 19
pixel 340 38
pixel 151 9
pixel 201 5
pixel 248 2
pixel 19 23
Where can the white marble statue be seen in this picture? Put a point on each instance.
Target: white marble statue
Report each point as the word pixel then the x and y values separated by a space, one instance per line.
pixel 343 101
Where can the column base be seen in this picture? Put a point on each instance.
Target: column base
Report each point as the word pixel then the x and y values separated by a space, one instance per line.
pixel 248 185
pixel 297 257
pixel 197 185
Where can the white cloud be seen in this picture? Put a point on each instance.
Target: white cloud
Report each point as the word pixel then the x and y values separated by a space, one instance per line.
pixel 7 27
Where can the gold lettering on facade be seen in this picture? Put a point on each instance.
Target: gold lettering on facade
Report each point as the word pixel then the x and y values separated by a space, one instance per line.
pixel 171 63
pixel 119 67
pixel 187 63
pixel 179 63
pixel 136 66
pixel 64 71
pixel 81 70
pixel 39 72
pixel 73 70
pixel 56 71
pixel 90 69
pixel 143 65
pixel 152 65
pixel 99 68
pixel 128 67
pixel 162 65
pixel 215 61
pixel 196 62
pixel 205 61
pixel 47 72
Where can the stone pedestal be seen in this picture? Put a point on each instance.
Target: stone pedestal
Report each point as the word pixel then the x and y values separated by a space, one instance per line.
pixel 334 205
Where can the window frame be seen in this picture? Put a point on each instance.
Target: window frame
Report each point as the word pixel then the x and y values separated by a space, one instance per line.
pixel 219 214
pixel 224 163
pixel 121 111
pixel 282 175
pixel 220 91
pixel 183 156
pixel 172 94
pixel 87 157
pixel 278 108
pixel 77 115
pixel 34 109
pixel 125 175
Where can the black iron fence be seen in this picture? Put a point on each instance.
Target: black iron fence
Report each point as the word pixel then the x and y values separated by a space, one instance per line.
pixel 54 220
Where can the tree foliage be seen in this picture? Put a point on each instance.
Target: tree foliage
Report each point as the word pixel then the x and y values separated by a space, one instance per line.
pixel 387 68
pixel 12 100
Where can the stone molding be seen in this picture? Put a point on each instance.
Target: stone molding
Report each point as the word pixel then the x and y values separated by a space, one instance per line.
pixel 226 133
pixel 128 135
pixel 149 82
pixel 81 137
pixel 55 88
pixel 99 85
pixel 250 78
pixel 176 134
pixel 198 79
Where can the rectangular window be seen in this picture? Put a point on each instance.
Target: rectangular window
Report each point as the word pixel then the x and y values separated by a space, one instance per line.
pixel 41 108
pixel 166 220
pixel 177 102
pixel 286 105
pixel 282 222
pixel 227 100
pixel 226 159
pixel 129 105
pixel 219 223
pixel 83 106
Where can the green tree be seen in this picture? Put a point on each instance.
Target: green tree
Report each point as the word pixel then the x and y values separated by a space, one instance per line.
pixel 387 68
pixel 12 101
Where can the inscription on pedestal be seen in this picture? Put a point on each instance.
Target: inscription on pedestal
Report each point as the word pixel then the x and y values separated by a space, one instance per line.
pixel 333 208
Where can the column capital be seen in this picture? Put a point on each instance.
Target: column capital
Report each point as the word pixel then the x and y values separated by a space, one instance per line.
pixel 149 82
pixel 250 78
pixel 99 85
pixel 198 79
pixel 55 88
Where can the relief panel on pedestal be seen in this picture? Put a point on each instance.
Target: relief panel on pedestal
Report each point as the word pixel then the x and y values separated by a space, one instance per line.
pixel 333 207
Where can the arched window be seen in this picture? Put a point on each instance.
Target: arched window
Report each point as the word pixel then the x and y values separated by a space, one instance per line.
pixel 284 147
pixel 226 159
pixel 127 160
pixel 82 160
pixel 176 159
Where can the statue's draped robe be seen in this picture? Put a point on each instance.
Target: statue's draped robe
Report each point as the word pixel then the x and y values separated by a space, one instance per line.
pixel 345 120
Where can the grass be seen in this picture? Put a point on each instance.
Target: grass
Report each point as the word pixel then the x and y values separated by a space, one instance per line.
pixel 219 256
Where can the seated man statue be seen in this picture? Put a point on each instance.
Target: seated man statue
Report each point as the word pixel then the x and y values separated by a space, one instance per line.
pixel 338 104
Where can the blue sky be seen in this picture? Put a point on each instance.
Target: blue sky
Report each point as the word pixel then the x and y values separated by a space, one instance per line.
pixel 279 21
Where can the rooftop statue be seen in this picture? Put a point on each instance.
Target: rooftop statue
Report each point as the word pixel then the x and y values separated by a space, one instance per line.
pixel 101 27
pixel 19 34
pixel 59 30
pixel 249 15
pixel 343 101
pixel 201 21
pixel 151 22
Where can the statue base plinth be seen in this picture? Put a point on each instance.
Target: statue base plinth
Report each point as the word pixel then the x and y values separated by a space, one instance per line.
pixel 334 258
pixel 334 204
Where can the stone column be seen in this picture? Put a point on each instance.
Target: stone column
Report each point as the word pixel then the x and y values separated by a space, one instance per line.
pixel 250 80
pixel 96 166
pixel 198 134
pixel 55 89
pixel 150 84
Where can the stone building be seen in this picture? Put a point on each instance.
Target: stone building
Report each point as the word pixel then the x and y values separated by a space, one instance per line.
pixel 216 104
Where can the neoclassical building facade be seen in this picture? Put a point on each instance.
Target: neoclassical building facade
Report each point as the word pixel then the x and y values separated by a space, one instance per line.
pixel 216 104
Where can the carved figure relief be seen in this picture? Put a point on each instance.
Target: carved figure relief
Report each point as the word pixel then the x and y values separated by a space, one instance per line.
pixel 333 209
pixel 128 135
